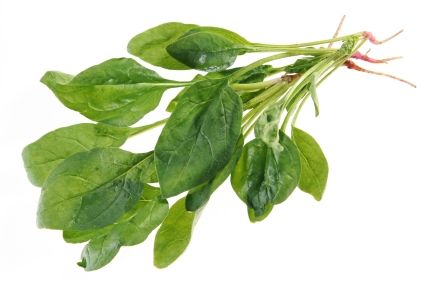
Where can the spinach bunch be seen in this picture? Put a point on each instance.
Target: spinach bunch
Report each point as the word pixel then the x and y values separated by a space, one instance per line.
pixel 106 197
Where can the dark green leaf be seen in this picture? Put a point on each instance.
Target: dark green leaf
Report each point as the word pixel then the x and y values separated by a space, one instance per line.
pixel 150 45
pixel 266 175
pixel 304 64
pixel 173 103
pixel 314 166
pixel 81 236
pixel 174 235
pixel 199 196
pixel 99 252
pixel 198 140
pixel 91 189
pixel 42 156
pixel 206 51
pixel 118 91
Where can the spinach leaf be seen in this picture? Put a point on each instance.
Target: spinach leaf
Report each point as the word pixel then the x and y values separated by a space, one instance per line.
pixel 150 212
pixel 99 252
pixel 199 138
pixel 42 156
pixel 133 228
pixel 92 189
pixel 304 64
pixel 118 91
pixel 199 196
pixel 230 35
pixel 150 45
pixel 174 235
pixel 266 175
pixel 314 166
pixel 206 51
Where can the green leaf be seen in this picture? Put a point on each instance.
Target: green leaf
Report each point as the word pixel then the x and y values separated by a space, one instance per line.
pixel 304 64
pixel 118 91
pixel 174 235
pixel 91 189
pixel 266 175
pixel 206 51
pixel 81 236
pixel 199 196
pixel 99 252
pixel 150 212
pixel 314 166
pixel 173 103
pixel 198 140
pixel 150 45
pixel 229 35
pixel 42 156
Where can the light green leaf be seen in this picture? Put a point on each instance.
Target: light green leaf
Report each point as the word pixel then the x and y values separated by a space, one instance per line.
pixel 174 235
pixel 198 140
pixel 99 252
pixel 91 189
pixel 42 156
pixel 118 91
pixel 314 166
pixel 150 45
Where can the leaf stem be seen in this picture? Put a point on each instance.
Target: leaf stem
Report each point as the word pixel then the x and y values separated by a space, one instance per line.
pixel 137 130
pixel 255 86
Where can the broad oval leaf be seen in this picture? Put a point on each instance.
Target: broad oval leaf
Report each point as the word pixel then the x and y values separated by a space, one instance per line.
pixel 118 91
pixel 174 235
pixel 199 138
pixel 228 34
pixel 151 44
pixel 199 196
pixel 314 166
pixel 91 189
pixel 99 252
pixel 206 51
pixel 43 155
pixel 266 175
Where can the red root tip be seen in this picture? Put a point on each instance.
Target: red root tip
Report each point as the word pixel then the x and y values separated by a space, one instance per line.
pixel 351 65
pixel 366 58
pixel 373 39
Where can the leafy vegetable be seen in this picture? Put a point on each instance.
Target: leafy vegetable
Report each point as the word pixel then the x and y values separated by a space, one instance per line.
pixel 42 156
pixel 151 44
pixel 99 194
pixel 118 91
pixel 199 138
pixel 314 166
pixel 92 189
pixel 174 235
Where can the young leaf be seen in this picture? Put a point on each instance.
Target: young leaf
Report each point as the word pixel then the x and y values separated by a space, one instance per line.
pixel 81 236
pixel 174 235
pixel 118 91
pixel 99 252
pixel 199 196
pixel 91 189
pixel 42 156
pixel 314 166
pixel 199 138
pixel 266 175
pixel 206 51
pixel 151 44
pixel 304 64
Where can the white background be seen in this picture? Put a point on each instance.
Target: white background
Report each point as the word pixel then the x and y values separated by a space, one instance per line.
pixel 369 225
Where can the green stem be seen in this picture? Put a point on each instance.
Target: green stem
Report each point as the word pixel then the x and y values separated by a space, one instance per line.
pixel 265 95
pixel 140 129
pixel 255 86
pixel 312 43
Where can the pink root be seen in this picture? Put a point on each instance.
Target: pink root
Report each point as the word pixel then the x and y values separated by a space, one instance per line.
pixel 366 58
pixel 372 38
pixel 351 65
